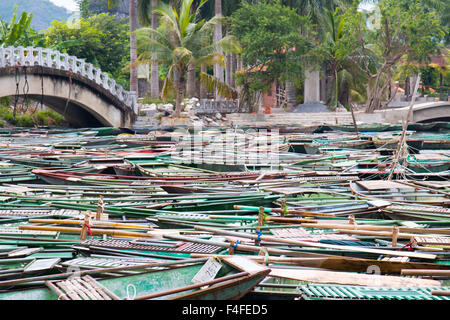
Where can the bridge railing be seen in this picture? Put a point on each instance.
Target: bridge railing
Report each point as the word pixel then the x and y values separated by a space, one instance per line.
pixel 30 56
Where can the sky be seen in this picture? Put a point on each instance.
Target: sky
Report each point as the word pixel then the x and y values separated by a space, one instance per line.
pixel 69 4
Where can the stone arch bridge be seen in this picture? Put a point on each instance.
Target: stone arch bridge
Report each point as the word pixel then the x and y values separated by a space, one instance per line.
pixel 82 93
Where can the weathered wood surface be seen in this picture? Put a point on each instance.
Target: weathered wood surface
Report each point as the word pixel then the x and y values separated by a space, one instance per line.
pixel 320 276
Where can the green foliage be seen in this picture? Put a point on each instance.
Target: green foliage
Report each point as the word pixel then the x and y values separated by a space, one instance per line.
pixel 16 32
pixel 429 76
pixel 406 33
pixel 24 120
pixel 273 40
pixel 150 100
pixel 48 118
pixel 100 39
pixel 31 119
pixel 339 48
pixel 83 7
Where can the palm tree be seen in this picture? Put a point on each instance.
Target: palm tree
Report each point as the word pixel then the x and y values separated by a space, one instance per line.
pixel 183 40
pixel 147 16
pixel 154 68
pixel 218 69
pixel 133 43
pixel 317 11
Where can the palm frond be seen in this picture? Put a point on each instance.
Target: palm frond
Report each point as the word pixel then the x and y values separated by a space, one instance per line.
pixel 144 11
pixel 212 84
pixel 210 59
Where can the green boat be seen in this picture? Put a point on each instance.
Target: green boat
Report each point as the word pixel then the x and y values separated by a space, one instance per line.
pixel 425 163
pixel 175 281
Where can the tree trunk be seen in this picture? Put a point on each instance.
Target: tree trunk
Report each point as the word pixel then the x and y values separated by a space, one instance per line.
pixel 228 65
pixel 154 68
pixel 218 69
pixel 323 83
pixel 133 48
pixel 336 82
pixel 179 87
pixel 190 88
pixel 344 97
pixel 290 94
pixel 233 69
pixel 202 86
pixel 407 87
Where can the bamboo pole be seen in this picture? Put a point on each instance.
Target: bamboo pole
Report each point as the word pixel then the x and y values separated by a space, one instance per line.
pixel 354 120
pixel 93 223
pixel 113 233
pixel 374 228
pixel 272 219
pixel 425 272
pixel 320 245
pixel 445 293
pixel 100 208
pixel 393 234
pixel 405 127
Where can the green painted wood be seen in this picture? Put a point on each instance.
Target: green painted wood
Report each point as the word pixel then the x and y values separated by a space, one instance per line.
pixel 344 292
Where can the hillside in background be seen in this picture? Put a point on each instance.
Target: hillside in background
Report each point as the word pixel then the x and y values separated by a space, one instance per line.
pixel 44 11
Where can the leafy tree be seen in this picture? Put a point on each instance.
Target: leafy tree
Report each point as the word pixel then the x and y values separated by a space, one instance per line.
pixel 101 40
pixel 339 50
pixel 405 32
pixel 180 41
pixel 83 7
pixel 273 40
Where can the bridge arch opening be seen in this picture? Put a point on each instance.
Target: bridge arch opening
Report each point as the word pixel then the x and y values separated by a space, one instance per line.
pixel 439 119
pixel 432 112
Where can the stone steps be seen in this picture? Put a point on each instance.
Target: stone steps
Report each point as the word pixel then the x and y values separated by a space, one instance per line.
pixel 291 118
pixel 145 121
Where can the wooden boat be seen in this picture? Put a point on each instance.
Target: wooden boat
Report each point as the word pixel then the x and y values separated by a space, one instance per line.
pixel 428 162
pixel 397 191
pixel 346 292
pixel 232 281
pixel 66 177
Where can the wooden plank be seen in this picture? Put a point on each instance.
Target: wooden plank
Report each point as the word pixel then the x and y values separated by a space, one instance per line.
pixel 244 264
pixel 24 252
pixel 432 240
pixel 42 264
pixel 382 185
pixel 347 278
